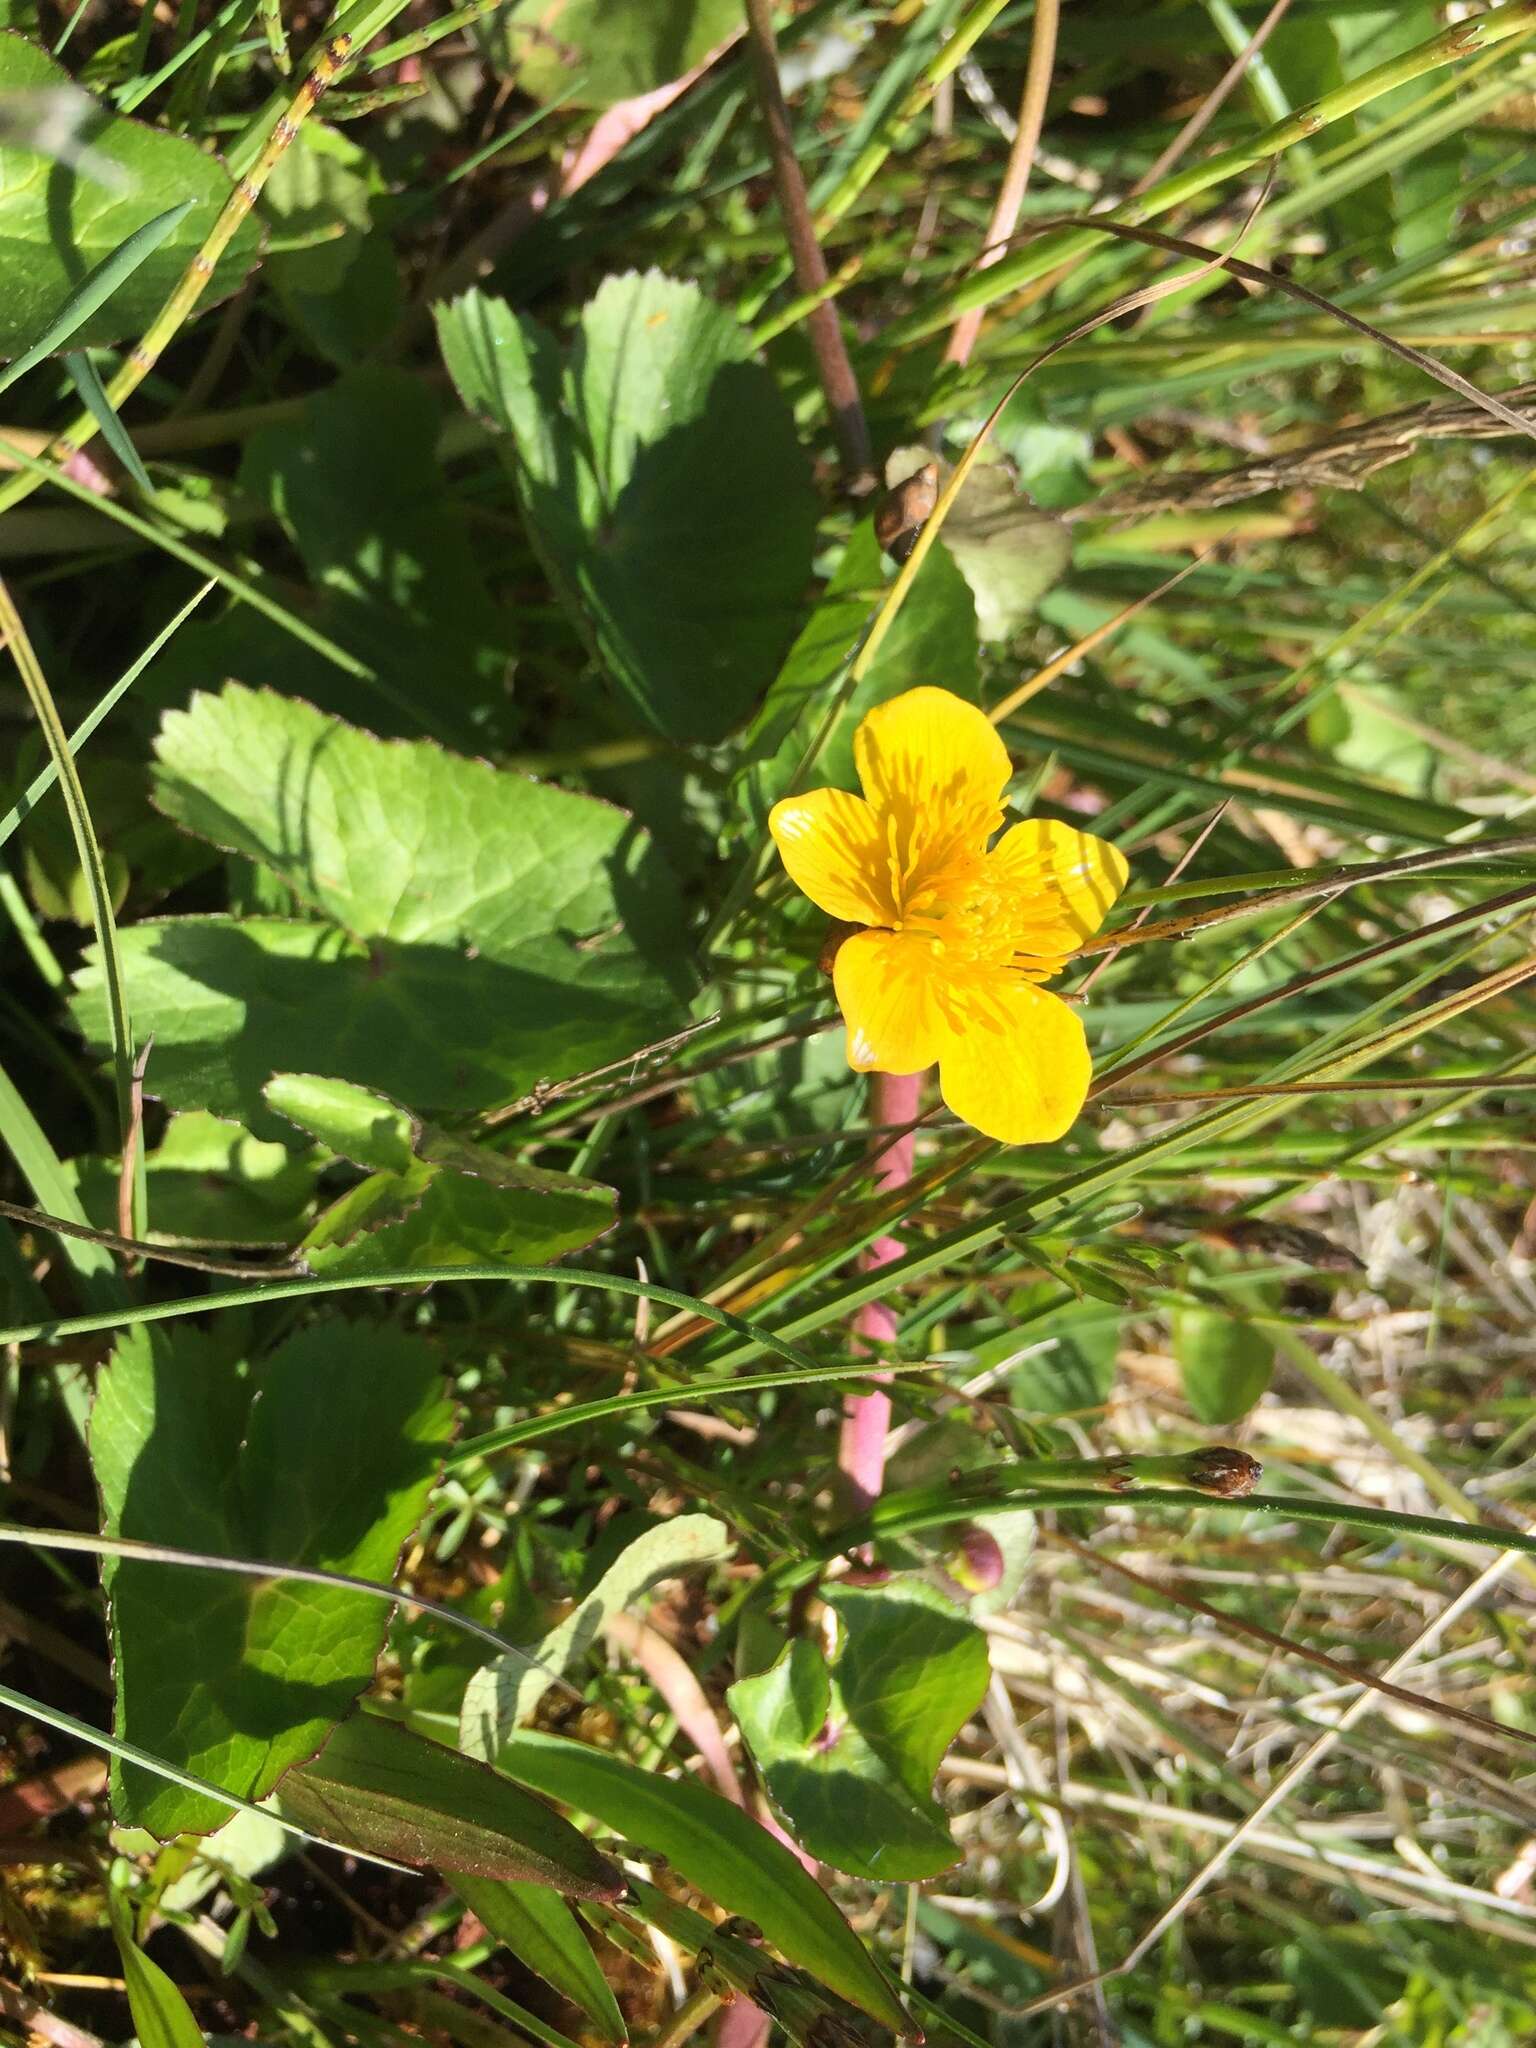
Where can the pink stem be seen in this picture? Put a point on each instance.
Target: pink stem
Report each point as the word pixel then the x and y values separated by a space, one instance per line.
pixel 893 1099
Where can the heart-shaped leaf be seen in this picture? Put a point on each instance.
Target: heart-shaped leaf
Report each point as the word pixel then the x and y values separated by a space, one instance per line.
pixel 662 483
pixel 848 1750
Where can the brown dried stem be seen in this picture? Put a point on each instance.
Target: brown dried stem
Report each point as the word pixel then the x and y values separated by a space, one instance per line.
pixel 822 323
pixel 1021 157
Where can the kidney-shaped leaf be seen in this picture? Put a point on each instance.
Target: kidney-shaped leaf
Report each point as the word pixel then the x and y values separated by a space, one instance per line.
pixel 848 1751
pixel 662 483
pixel 719 1849
pixel 320 1454
pixel 378 1786
pixel 61 215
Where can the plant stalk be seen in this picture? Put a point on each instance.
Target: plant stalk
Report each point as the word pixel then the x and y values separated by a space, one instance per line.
pixel 893 1099
pixel 823 323
pixel 1024 266
pixel 1021 158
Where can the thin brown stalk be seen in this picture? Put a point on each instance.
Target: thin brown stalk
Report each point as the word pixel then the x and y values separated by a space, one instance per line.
pixel 132 1139
pixel 1021 157
pixel 1190 852
pixel 1306 1653
pixel 1416 1084
pixel 1059 664
pixel 822 323
pixel 130 1247
pixel 1213 102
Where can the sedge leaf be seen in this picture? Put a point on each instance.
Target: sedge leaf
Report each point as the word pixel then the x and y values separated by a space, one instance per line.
pixel 718 1848
pixel 379 1787
pixel 544 1934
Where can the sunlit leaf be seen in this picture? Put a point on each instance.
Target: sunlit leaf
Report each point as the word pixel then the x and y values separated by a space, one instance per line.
pixel 848 1749
pixel 321 1453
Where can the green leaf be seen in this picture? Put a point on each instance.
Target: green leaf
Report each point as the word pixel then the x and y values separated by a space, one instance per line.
pixel 117 177
pixel 210 1183
pixel 95 289
pixel 246 1844
pixel 349 323
pixel 1356 725
pixel 717 1848
pixel 546 1937
pixel 232 1001
pixel 1008 550
pixel 377 1786
pixel 1074 1349
pixel 506 1692
pixel 92 394
pixel 400 840
pixel 321 194
pixel 730 1962
pixel 662 483
pixel 354 1122
pixel 934 637
pixel 1225 1362
pixel 434 1216
pixel 357 486
pixel 435 1200
pixel 322 1454
pixel 162 2017
pixel 848 1750
pixel 540 922
pixel 594 52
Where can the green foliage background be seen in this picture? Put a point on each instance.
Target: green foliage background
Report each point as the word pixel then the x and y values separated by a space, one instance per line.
pixel 428 1153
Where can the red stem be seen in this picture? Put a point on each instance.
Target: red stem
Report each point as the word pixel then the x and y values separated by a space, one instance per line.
pixel 893 1099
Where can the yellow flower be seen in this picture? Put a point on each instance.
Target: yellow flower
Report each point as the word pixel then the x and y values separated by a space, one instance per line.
pixel 957 936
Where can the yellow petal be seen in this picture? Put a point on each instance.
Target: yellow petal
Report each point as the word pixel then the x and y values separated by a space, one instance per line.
pixel 1066 882
pixel 934 769
pixel 887 994
pixel 831 844
pixel 1015 1062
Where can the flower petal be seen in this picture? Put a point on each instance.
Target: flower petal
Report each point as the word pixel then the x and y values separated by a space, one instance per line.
pixel 1066 881
pixel 889 999
pixel 832 846
pixel 1015 1064
pixel 934 769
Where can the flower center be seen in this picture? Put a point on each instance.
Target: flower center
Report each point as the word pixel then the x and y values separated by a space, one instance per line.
pixel 980 921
